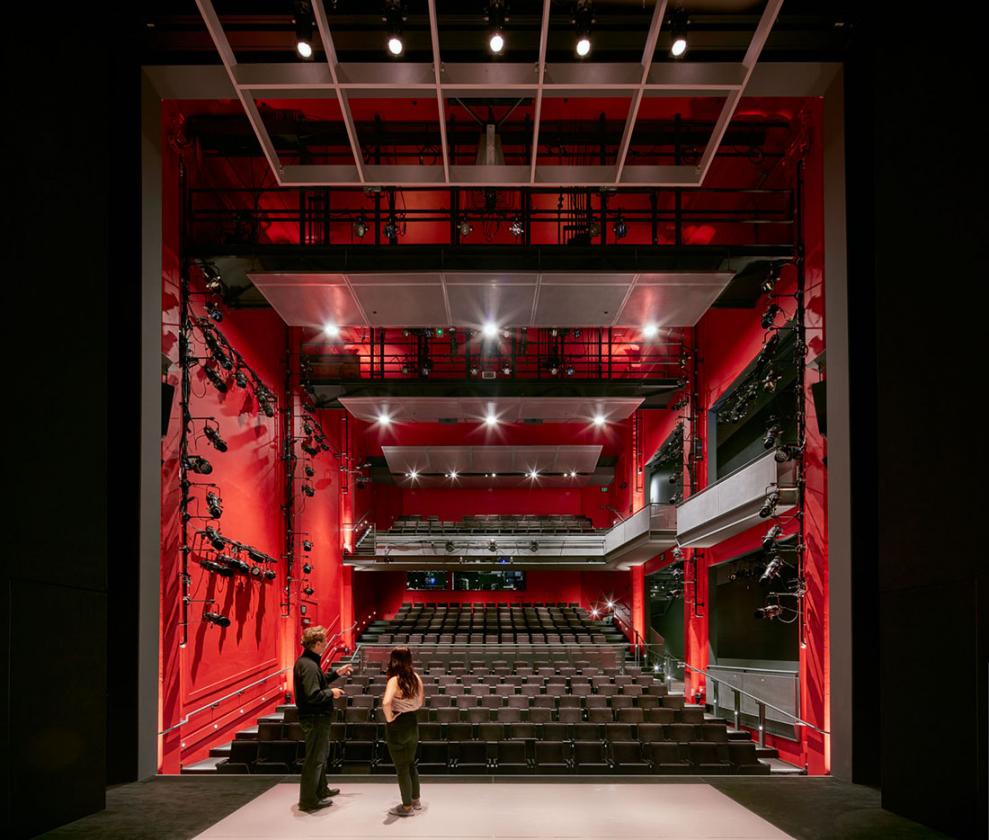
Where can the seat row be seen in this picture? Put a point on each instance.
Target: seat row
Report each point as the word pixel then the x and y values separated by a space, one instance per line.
pixel 534 714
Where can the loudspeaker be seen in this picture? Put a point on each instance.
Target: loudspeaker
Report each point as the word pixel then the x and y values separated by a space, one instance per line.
pixel 167 395
pixel 819 391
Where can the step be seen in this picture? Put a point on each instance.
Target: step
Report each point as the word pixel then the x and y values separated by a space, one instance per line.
pixel 222 751
pixel 766 752
pixel 249 734
pixel 284 708
pixel 205 767
pixel 739 735
pixel 778 767
pixel 276 717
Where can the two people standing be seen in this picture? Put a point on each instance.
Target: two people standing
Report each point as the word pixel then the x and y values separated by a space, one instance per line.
pixel 404 695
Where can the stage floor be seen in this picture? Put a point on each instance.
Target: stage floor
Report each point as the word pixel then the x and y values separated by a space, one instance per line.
pixel 493 811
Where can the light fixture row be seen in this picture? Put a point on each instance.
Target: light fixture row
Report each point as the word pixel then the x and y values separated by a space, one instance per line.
pixel 491 420
pixel 491 330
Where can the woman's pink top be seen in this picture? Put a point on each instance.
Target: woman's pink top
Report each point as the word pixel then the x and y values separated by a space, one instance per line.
pixel 408 704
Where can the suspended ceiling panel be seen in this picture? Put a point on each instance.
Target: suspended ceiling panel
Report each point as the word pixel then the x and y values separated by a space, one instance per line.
pixel 402 299
pixel 491 459
pixel 506 409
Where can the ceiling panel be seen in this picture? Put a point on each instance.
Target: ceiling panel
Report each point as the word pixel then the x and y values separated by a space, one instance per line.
pixel 669 305
pixel 578 306
pixel 492 459
pixel 507 409
pixel 309 300
pixel 410 306
pixel 504 303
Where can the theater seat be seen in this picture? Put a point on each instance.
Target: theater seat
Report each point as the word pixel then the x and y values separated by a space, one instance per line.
pixel 470 757
pixel 590 757
pixel 434 757
pixel 276 756
pixel 743 759
pixel 709 758
pixel 552 757
pixel 666 758
pixel 510 757
pixel 626 757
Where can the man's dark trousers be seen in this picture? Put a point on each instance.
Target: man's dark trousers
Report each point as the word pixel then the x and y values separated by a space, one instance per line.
pixel 313 785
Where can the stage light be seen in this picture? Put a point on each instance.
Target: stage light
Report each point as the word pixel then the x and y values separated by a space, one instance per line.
pixel 198 464
pixel 533 546
pixel 214 311
pixel 240 378
pixel 783 453
pixel 600 420
pixel 360 227
pixel 507 370
pixel 427 367
pixel 218 381
pixel 611 605
pixel 569 370
pixel 769 316
pixel 307 568
pixel 594 613
pixel 771 438
pixel 678 29
pixel 331 330
pixel 773 569
pixel 650 331
pixel 582 22
pixel 769 613
pixel 619 228
pixel 465 229
pixel 214 504
pixel 218 619
pixel 307 545
pixel 270 574
pixel 677 553
pixel 308 490
pixel 211 276
pixel 213 436
pixel 768 508
pixel 391 228
pixel 572 474
pixel 217 540
pixel 309 591
pixel 234 563
pixel 216 568
pixel 492 546
pixel 533 475
pixel 452 475
pixel 309 447
pixel 495 17
pixel 772 277
pixel 412 475
pixel 493 475
pixel 383 418
pixel 393 25
pixel 490 329
pixel 771 536
pixel 309 471
pixel 491 421
pixel 516 228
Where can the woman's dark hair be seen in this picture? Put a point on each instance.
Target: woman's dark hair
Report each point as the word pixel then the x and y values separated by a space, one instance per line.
pixel 400 665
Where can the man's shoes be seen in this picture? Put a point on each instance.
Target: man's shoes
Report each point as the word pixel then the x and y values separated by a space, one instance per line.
pixel 309 809
pixel 326 794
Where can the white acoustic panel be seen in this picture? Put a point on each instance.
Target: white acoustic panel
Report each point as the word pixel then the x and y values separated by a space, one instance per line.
pixel 503 303
pixel 672 300
pixel 304 300
pixel 580 306
pixel 411 306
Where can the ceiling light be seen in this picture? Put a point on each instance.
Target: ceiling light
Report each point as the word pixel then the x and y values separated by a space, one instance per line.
pixel 611 605
pixel 619 227
pixel 452 474
pixel 678 29
pixel 491 420
pixel 650 331
pixel 393 26
pixel 599 420
pixel 303 29
pixel 304 48
pixel 465 228
pixel 490 329
pixel 395 45
pixel 496 43
pixel 332 330
pixel 533 474
pixel 582 20
pixel 360 227
pixel 583 46
pixel 383 418
pixel 495 17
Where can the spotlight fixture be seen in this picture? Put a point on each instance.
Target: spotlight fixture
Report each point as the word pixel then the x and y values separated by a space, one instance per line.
pixel 391 227
pixel 214 311
pixel 769 316
pixel 678 29
pixel 216 539
pixel 495 16
pixel 310 472
pixel 772 277
pixel 771 380
pixel 308 490
pixel 600 420
pixel 384 419
pixel 449 547
pixel 213 436
pixel 218 619
pixel 234 563
pixel 533 475
pixel 198 464
pixel 393 26
pixel 619 228
pixel 303 29
pixel 516 228
pixel 360 227
pixel 650 331
pixel 769 612
pixel 331 330
pixel 492 546
pixel 216 568
pixel 491 420
pixel 265 401
pixel 307 545
pixel 533 546
pixel 307 568
pixel 611 605
pixel 214 504
pixel 595 613
pixel 582 20
pixel 771 536
pixel 240 378
pixel 772 436
pixel 568 370
pixel 490 329
pixel 773 569
pixel 217 381
pixel 309 447
pixel 507 369
pixel 309 590
pixel 784 453
pixel 412 474
pixel 572 474
pixel 677 553
pixel 768 508
pixel 211 276
pixel 427 367
pixel 270 574
pixel 452 475
pixel 465 229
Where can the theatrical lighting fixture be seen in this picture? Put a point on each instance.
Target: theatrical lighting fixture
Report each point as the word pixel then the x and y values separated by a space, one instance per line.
pixel 677 553
pixel 650 331
pixel 768 508
pixel 595 613
pixel 214 504
pixel 309 447
pixel 217 540
pixel 772 277
pixel 572 474
pixel 393 24
pixel 582 22
pixel 218 382
pixel 490 329
pixel 308 491
pixel 769 612
pixel 516 228
pixel 214 311
pixel 771 380
pixel 771 536
pixel 218 619
pixel 492 546
pixel 495 16
pixel 331 330
pixel 309 590
pixel 465 228
pixel 678 29
pixel 533 475
pixel 384 419
pixel 610 605
pixel 307 545
pixel 491 421
pixel 507 369
pixel 360 227
pixel 600 420
pixel 303 29
pixel 773 569
pixel 427 367
pixel 234 563
pixel 256 571
pixel 769 316
pixel 216 568
pixel 307 568
pixel 198 464
pixel 533 546
pixel 784 453
pixel 452 475
pixel 213 436
pixel 270 574
pixel 771 438
pixel 680 403
pixel 568 370
pixel 391 227
pixel 619 228
pixel 215 349
pixel 449 547
pixel 309 471
pixel 266 401
pixel 240 378
pixel 211 275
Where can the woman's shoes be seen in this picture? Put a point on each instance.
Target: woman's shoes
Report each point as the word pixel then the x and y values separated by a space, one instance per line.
pixel 399 811
pixel 416 804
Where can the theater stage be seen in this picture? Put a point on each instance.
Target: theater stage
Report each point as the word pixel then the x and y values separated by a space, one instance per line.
pixel 494 811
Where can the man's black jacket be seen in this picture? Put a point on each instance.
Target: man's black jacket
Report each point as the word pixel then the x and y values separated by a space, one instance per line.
pixel 312 696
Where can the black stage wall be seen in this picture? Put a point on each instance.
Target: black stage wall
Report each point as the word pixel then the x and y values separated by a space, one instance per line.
pixel 918 256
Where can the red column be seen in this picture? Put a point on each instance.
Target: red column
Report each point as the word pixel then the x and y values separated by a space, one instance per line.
pixel 639 601
pixel 347 604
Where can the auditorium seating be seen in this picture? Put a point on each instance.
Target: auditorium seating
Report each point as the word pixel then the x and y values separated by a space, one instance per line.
pixel 530 720
pixel 523 524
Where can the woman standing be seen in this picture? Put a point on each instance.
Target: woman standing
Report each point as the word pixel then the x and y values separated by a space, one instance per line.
pixel 403 696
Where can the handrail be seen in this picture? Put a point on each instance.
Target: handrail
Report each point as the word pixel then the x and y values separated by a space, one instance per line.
pixel 761 704
pixel 215 703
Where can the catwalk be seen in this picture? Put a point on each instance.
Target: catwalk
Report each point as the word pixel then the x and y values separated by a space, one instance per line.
pixel 495 811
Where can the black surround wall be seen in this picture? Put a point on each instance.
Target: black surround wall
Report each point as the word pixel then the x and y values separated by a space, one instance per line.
pixel 72 283
pixel 917 263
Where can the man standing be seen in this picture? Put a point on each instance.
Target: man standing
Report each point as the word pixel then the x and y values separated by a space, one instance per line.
pixel 314 701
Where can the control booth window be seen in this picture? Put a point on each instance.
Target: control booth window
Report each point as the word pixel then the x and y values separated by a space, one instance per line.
pixel 427 581
pixel 513 581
